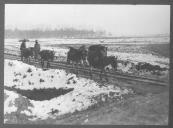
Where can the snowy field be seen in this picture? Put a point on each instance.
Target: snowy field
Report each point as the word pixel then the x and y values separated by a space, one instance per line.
pixel 14 44
pixel 23 82
pixel 125 40
pixel 85 93
pixel 133 52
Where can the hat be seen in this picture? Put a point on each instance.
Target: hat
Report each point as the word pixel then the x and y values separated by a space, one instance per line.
pixel 24 40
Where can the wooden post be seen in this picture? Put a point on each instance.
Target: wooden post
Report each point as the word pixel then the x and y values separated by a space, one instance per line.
pixel 45 64
pixel 77 70
pixel 90 73
pixel 72 68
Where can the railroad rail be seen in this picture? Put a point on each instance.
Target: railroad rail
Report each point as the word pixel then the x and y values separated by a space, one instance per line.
pixel 90 72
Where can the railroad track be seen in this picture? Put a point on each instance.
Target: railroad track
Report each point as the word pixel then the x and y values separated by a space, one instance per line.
pixel 88 72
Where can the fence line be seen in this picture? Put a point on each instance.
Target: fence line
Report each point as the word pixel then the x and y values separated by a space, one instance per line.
pixel 87 71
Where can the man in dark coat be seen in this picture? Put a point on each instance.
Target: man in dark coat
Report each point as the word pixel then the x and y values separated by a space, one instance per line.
pixel 36 49
pixel 22 48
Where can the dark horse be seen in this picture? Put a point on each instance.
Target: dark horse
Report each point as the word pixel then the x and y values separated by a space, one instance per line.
pixel 105 61
pixel 95 53
pixel 27 53
pixel 97 58
pixel 77 55
pixel 46 56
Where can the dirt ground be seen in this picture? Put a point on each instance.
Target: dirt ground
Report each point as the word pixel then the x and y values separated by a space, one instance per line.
pixel 146 107
pixel 139 110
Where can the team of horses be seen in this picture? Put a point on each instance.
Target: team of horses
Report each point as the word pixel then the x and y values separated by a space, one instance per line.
pixel 94 56
pixel 26 53
pixel 44 56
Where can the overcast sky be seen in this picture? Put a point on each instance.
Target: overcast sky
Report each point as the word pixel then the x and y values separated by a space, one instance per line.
pixel 116 19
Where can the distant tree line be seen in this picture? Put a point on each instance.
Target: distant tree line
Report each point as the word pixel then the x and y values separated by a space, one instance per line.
pixel 56 33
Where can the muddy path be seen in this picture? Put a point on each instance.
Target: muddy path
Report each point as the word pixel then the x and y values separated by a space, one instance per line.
pixel 149 106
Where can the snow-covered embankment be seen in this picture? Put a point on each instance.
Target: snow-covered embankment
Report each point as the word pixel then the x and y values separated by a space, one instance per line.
pixel 25 77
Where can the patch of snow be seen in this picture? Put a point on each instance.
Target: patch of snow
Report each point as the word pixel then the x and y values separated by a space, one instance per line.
pixel 86 120
pixel 5 120
pixel 58 51
pixel 9 103
pixel 123 67
pixel 26 112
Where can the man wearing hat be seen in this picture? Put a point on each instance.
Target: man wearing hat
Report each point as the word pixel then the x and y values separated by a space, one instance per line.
pixel 22 47
pixel 36 49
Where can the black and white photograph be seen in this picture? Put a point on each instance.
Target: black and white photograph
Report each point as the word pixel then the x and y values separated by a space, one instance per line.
pixel 86 64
